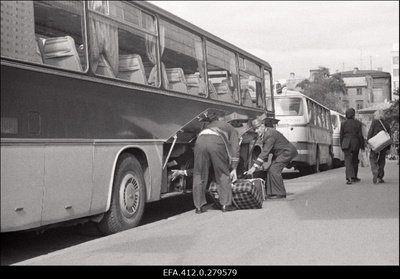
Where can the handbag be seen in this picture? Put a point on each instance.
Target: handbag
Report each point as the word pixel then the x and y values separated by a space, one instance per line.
pixel 380 140
pixel 364 160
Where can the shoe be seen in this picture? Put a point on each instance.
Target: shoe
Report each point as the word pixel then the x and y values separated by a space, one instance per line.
pixel 226 208
pixel 375 179
pixel 276 197
pixel 380 180
pixel 356 179
pixel 349 181
pixel 199 210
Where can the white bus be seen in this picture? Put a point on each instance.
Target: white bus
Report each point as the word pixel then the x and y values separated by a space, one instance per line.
pixel 338 155
pixel 307 124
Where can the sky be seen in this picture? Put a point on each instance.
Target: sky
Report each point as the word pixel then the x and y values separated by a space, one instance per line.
pixel 297 36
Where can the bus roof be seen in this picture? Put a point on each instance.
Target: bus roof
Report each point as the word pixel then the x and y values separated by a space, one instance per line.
pixel 337 113
pixel 165 14
pixel 291 93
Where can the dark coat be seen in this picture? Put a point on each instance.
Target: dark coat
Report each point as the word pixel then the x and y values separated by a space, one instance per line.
pixel 351 135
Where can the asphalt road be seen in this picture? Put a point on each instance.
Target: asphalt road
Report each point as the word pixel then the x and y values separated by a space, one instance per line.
pixel 326 222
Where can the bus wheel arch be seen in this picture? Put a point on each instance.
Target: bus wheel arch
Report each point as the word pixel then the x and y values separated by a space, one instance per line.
pixel 128 194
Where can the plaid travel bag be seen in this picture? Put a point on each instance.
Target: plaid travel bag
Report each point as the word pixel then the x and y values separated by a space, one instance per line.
pixel 246 193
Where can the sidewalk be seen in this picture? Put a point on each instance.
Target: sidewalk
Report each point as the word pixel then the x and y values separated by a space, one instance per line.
pixel 326 223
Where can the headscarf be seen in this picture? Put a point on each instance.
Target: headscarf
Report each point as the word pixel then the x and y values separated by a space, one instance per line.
pixel 379 114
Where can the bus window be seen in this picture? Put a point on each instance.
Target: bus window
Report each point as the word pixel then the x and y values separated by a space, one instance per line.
pixel 323 118
pixel 122 42
pixel 222 72
pixel 288 106
pixel 311 112
pixel 183 59
pixel 46 32
pixel 250 83
pixel 328 120
pixel 268 88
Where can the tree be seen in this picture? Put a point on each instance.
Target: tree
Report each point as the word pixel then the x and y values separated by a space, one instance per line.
pixel 392 114
pixel 324 88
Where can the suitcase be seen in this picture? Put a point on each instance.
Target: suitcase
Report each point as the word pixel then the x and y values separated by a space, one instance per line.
pixel 246 193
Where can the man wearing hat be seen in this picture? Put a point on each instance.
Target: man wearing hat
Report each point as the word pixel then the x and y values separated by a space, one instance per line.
pixel 283 152
pixel 216 145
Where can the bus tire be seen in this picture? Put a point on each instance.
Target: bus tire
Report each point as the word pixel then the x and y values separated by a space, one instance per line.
pixel 127 199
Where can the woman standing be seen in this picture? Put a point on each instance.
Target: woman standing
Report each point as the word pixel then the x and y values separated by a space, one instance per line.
pixel 378 159
pixel 351 141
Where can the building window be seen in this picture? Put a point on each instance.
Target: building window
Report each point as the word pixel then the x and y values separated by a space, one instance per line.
pixel 359 91
pixel 359 105
pixel 395 60
pixel 395 72
pixel 345 104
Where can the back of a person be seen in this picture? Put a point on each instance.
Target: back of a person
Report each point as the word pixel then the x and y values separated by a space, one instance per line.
pixel 351 127
pixel 226 127
pixel 376 127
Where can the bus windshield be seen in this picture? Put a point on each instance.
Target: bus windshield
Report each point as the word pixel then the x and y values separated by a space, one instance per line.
pixel 288 107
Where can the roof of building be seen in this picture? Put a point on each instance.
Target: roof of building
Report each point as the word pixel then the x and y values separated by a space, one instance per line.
pixel 363 73
pixel 355 81
pixel 383 105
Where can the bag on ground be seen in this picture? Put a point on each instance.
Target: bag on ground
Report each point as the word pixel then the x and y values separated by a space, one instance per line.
pixel 246 193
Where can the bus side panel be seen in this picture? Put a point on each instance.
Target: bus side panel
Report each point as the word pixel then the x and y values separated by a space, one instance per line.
pixel 105 162
pixel 68 182
pixel 307 154
pixel 22 186
pixel 323 153
pixel 300 137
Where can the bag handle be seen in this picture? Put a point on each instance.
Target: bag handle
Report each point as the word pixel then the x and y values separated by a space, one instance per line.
pixel 383 126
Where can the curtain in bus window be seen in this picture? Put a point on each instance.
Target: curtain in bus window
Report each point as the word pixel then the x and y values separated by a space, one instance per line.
pixel 235 79
pixel 200 64
pixel 103 43
pixel 151 50
pixel 18 31
pixel 199 56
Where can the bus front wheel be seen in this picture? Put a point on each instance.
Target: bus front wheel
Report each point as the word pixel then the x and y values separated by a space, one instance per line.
pixel 128 197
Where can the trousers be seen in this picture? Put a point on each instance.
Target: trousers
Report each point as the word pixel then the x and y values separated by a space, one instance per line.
pixel 351 163
pixel 274 181
pixel 378 161
pixel 210 151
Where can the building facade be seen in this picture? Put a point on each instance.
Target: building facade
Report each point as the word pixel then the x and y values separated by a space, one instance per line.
pixel 365 88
